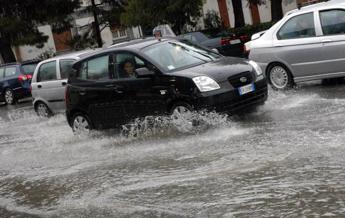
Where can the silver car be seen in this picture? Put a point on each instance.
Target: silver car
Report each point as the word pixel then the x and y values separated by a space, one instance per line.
pixel 307 44
pixel 49 81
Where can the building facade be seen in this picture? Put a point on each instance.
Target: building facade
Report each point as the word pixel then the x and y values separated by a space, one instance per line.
pixel 253 14
pixel 82 22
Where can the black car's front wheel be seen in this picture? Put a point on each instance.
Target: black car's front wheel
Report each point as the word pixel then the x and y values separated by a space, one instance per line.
pixel 9 97
pixel 81 124
pixel 182 117
pixel 280 77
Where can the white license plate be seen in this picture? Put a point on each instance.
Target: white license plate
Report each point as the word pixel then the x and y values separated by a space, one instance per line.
pixel 246 89
pixel 236 41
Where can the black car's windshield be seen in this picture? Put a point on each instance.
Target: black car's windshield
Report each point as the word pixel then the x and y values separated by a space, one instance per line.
pixel 176 55
pixel 28 68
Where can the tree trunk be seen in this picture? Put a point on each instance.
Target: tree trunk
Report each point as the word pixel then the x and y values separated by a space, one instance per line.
pixel 276 10
pixel 96 24
pixel 6 52
pixel 238 12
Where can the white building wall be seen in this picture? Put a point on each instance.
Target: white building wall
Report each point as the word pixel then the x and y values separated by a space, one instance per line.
pixel 265 12
pixel 31 52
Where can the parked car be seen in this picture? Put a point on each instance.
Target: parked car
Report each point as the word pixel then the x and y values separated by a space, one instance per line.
pixel 15 79
pixel 229 45
pixel 307 44
pixel 158 77
pixel 49 81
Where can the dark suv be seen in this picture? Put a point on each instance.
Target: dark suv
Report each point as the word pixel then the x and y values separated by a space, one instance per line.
pixel 155 77
pixel 15 80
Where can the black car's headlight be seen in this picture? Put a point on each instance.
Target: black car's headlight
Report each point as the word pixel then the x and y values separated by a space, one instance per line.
pixel 205 83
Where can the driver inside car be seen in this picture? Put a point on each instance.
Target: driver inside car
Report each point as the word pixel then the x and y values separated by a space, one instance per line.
pixel 127 68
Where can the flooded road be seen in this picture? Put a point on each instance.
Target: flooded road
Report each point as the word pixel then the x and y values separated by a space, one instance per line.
pixel 285 160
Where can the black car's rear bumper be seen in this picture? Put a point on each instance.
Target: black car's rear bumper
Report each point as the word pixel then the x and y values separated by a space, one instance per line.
pixel 232 101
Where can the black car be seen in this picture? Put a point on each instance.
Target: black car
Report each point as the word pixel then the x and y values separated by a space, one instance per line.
pixel 155 77
pixel 227 44
pixel 15 80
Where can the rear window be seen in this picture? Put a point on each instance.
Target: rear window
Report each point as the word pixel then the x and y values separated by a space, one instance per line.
pixel 10 71
pixel 301 26
pixel 28 68
pixel 66 68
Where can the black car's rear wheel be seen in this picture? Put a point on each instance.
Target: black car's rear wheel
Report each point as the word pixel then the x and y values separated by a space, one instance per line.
pixel 81 124
pixel 9 97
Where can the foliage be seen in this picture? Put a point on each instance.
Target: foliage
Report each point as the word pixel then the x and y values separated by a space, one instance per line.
pixel 177 13
pixel 46 54
pixel 19 21
pixel 212 20
pixel 248 30
pixel 81 42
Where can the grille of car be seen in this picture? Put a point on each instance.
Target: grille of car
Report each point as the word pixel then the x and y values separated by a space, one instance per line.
pixel 238 80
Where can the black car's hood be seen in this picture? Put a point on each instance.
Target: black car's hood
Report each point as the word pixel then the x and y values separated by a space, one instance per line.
pixel 219 70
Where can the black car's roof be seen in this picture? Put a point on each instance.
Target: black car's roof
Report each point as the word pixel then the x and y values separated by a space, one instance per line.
pixel 133 45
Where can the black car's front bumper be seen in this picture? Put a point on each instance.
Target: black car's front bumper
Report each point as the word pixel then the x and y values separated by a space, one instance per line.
pixel 231 101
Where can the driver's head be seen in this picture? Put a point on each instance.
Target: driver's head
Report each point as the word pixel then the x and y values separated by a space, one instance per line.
pixel 128 67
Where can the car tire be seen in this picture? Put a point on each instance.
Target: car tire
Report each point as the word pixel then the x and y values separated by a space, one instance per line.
pixel 9 97
pixel 81 124
pixel 43 110
pixel 279 77
pixel 182 117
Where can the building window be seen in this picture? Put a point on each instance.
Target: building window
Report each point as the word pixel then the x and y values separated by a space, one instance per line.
pixel 119 33
pixel 123 33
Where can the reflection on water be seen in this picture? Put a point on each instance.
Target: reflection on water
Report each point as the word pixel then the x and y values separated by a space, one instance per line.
pixel 286 159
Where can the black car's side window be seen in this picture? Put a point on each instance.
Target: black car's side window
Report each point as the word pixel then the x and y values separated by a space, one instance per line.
pixel 47 72
pixel 125 65
pixel 10 71
pixel 95 69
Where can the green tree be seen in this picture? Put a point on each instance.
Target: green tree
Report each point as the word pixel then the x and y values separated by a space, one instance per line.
pixel 177 13
pixel 106 13
pixel 19 21
pixel 213 21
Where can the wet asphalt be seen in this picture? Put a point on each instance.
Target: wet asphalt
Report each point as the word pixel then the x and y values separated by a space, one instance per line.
pixel 284 160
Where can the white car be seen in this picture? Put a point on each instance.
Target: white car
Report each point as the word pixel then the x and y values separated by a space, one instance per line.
pixel 307 44
pixel 49 81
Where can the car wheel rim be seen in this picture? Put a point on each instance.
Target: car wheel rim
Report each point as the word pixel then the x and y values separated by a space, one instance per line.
pixel 42 110
pixel 279 77
pixel 182 118
pixel 9 97
pixel 80 125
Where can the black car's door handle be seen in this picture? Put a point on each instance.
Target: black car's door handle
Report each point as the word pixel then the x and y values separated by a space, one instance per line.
pixel 82 92
pixel 39 86
pixel 116 88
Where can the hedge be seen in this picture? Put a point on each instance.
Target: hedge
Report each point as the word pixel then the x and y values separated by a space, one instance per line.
pixel 248 30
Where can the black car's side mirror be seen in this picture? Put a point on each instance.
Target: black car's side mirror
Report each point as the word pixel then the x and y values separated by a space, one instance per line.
pixel 144 72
